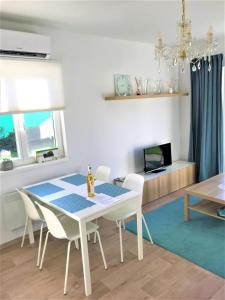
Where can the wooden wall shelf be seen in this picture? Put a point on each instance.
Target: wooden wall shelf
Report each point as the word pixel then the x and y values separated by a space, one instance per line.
pixel 146 96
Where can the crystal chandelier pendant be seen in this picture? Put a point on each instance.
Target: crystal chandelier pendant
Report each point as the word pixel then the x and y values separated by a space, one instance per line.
pixel 209 67
pixel 186 50
pixel 194 69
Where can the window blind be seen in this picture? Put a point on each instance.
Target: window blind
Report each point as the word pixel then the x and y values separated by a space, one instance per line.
pixel 30 85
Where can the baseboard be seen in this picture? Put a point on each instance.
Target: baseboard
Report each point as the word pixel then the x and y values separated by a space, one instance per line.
pixel 18 240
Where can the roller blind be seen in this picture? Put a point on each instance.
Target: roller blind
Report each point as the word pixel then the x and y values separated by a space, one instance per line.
pixel 30 85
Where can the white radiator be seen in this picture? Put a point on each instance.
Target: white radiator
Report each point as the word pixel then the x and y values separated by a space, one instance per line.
pixel 13 211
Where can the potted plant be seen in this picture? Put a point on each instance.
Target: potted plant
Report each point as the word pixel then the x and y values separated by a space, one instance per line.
pixel 7 163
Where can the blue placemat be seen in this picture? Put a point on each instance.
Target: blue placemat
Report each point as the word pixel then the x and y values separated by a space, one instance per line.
pixel 75 179
pixel 72 203
pixel 44 189
pixel 110 189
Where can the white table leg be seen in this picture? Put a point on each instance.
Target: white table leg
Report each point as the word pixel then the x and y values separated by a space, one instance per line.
pixel 186 208
pixel 139 232
pixel 85 258
pixel 30 231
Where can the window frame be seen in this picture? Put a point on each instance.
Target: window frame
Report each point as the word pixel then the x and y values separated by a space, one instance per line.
pixel 24 158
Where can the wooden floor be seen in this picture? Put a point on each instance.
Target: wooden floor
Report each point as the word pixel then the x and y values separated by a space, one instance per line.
pixel 161 275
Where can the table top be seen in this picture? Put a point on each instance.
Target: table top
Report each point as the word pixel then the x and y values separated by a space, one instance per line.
pixel 68 194
pixel 211 189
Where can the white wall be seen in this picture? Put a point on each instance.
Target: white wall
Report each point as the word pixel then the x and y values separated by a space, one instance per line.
pixel 100 132
pixel 185 114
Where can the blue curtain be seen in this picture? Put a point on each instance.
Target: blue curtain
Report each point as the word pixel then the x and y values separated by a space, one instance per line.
pixel 206 134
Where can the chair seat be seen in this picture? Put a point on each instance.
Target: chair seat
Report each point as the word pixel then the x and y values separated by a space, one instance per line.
pixel 71 228
pixel 120 214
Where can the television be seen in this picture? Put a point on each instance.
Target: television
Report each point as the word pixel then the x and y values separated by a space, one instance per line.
pixel 157 157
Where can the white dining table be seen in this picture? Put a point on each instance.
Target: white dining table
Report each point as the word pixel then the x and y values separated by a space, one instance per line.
pixel 57 193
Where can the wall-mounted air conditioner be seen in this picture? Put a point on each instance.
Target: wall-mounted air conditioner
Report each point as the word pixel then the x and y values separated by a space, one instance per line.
pixel 24 44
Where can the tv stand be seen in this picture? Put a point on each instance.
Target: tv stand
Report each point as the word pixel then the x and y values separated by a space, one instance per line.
pixel 157 170
pixel 174 177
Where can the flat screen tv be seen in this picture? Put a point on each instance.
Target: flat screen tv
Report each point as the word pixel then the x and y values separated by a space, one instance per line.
pixel 157 157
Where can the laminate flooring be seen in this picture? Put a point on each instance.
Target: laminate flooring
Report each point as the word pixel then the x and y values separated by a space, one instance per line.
pixel 161 275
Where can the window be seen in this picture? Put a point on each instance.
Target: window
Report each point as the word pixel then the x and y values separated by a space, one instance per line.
pixel 8 146
pixel 31 104
pixel 21 135
pixel 40 131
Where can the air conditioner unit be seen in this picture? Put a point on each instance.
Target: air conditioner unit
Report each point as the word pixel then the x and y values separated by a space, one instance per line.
pixel 24 44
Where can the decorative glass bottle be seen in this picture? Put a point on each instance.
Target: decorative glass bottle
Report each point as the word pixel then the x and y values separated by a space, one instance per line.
pixel 90 183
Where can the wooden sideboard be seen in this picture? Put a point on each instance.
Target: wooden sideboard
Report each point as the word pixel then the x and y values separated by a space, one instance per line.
pixel 175 177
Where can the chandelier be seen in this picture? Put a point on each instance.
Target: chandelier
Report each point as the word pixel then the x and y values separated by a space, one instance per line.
pixel 186 49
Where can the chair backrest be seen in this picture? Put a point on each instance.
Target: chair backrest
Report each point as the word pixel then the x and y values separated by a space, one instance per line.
pixel 102 173
pixel 54 226
pixel 134 182
pixel 30 207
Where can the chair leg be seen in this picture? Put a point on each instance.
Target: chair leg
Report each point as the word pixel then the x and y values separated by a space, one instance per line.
pixel 101 248
pixel 44 249
pixel 77 244
pixel 123 222
pixel 39 246
pixel 121 242
pixel 89 237
pixel 95 238
pixel 148 232
pixel 24 232
pixel 67 267
pixel 95 234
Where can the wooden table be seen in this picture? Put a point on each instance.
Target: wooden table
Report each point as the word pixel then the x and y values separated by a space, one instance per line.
pixel 212 194
pixel 64 186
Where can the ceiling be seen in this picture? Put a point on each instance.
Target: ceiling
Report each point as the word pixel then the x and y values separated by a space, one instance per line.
pixel 129 20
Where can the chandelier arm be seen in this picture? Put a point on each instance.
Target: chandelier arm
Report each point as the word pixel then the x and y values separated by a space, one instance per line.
pixel 196 61
pixel 183 11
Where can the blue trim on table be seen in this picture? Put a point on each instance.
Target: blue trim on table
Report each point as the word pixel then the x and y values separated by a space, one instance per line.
pixel 72 203
pixel 44 189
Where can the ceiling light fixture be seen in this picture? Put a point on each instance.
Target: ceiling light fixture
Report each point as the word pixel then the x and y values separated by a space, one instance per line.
pixel 186 50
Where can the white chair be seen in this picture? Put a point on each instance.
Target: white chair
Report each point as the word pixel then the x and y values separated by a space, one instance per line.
pixel 133 182
pixel 66 228
pixel 33 214
pixel 102 173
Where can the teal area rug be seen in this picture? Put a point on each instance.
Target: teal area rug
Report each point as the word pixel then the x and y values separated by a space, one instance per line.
pixel 201 240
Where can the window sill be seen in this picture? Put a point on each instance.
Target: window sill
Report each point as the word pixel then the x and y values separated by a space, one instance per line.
pixel 34 166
